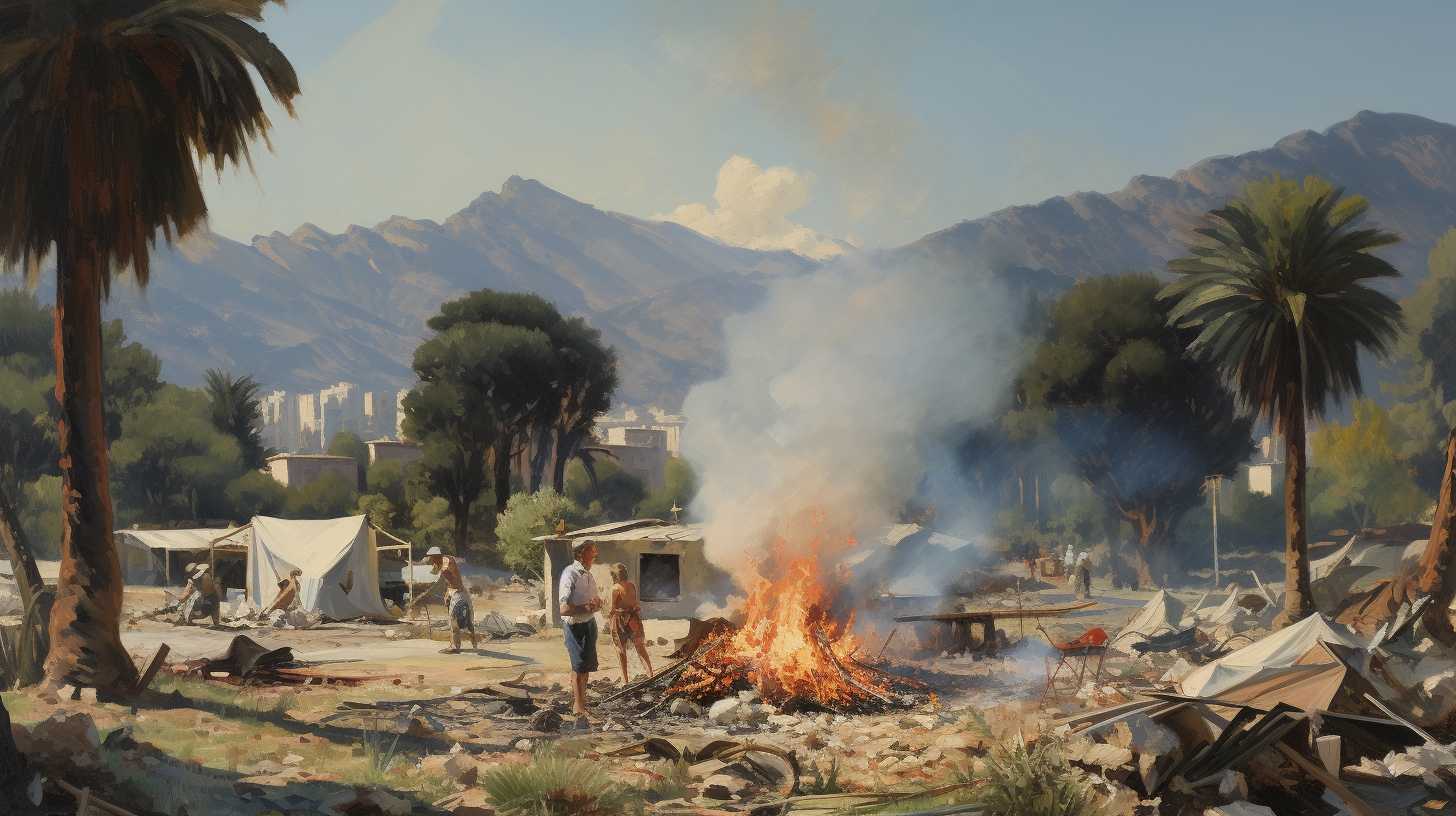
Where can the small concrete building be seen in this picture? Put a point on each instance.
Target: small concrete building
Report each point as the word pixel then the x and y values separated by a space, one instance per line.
pixel 393 450
pixel 299 469
pixel 665 561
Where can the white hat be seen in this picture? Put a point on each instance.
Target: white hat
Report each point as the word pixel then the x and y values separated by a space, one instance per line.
pixel 199 568
pixel 433 551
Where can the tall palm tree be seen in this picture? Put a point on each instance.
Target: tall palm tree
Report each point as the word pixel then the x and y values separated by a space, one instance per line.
pixel 235 411
pixel 108 110
pixel 1276 285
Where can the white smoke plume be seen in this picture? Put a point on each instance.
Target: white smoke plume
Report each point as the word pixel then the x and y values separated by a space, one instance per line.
pixel 844 393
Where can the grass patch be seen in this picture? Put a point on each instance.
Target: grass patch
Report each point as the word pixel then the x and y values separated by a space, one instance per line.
pixel 553 785
pixel 676 781
pixel 820 781
pixel 1034 781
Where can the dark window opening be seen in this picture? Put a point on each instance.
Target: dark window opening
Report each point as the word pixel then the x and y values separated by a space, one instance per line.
pixel 661 577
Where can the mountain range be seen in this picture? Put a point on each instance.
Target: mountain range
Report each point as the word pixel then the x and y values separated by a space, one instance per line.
pixel 306 309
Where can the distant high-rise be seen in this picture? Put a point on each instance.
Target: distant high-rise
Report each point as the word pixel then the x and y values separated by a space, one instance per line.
pixel 380 408
pixel 310 430
pixel 341 408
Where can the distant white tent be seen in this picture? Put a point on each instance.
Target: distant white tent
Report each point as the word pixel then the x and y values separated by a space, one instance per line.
pixel 145 554
pixel 1267 657
pixel 339 559
pixel 1162 614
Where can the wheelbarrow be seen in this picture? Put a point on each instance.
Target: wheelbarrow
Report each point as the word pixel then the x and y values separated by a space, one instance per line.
pixel 1073 657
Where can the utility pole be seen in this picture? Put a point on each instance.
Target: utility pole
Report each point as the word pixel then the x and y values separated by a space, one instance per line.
pixel 1213 483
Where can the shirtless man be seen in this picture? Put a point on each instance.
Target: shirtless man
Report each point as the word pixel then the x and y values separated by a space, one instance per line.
pixel 457 600
pixel 288 590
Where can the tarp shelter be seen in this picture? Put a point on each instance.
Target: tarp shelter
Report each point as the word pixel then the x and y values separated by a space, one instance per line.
pixel 157 557
pixel 339 559
pixel 1267 658
pixel 1162 614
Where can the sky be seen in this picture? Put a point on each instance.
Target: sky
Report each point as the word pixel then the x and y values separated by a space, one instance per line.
pixel 808 126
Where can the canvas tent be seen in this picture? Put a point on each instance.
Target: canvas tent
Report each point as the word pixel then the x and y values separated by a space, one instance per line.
pixel 1162 614
pixel 339 559
pixel 1273 656
pixel 157 556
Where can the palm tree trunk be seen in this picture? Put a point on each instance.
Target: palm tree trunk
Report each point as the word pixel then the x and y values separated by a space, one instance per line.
pixel 567 442
pixel 461 517
pixel 85 625
pixel 1437 572
pixel 1298 603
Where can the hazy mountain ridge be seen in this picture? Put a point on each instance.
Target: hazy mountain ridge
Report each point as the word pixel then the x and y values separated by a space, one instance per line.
pixel 310 308
pixel 1405 165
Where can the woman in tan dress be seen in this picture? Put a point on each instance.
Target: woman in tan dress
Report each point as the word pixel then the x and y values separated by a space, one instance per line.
pixel 627 619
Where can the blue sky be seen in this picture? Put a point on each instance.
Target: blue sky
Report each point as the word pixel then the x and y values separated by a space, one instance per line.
pixel 884 121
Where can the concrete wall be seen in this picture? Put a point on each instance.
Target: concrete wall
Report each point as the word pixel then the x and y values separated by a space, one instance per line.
pixel 393 451
pixel 296 471
pixel 693 573
pixel 647 464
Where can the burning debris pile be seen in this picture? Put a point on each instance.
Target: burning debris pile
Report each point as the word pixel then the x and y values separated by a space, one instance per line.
pixel 790 650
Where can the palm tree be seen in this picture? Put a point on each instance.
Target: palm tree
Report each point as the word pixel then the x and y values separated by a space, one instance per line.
pixel 108 110
pixel 1276 286
pixel 235 411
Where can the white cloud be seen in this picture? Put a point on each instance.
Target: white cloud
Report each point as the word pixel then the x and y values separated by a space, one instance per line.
pixel 751 209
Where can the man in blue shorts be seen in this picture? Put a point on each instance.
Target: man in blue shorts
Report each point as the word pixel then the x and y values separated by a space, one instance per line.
pixel 579 604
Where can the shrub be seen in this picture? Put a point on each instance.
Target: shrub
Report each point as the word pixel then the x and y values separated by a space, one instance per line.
pixel 1034 781
pixel 553 785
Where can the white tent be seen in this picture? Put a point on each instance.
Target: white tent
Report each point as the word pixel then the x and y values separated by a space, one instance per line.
pixel 338 557
pixel 1274 653
pixel 1162 614
pixel 145 553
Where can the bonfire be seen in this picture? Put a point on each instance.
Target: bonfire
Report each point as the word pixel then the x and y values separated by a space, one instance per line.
pixel 790 646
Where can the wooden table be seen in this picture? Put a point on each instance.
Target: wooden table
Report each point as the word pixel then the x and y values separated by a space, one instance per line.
pixel 958 625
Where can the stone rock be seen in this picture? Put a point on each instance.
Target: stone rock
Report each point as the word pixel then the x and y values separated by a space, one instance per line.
pixel 783 720
pixel 749 696
pixel 492 708
pixel 723 787
pixel 365 802
pixel 547 721
pixel 1233 786
pixel 67 738
pixel 725 711
pixel 88 695
pixel 1142 735
pixel 685 708
pixel 1239 809
pixel 754 714
pixel 293 759
pixel 960 740
pixel 1106 756
pixel 472 802
pixel 524 745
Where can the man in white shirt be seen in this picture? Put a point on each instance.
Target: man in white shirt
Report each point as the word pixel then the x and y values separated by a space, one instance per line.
pixel 579 604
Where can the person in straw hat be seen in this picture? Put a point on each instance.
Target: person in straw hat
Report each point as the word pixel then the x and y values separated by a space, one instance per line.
pixel 457 600
pixel 200 597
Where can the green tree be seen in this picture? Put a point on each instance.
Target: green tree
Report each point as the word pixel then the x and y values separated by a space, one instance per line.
pixel 529 515
pixel 110 112
pixel 235 411
pixel 389 481
pixel 1358 480
pixel 1427 353
pixel 171 464
pixel 1277 289
pixel 330 496
pixel 612 496
pixel 680 487
pixel 480 384
pixel 434 524
pixel 255 493
pixel 41 517
pixel 348 443
pixel 1141 423
pixel 579 387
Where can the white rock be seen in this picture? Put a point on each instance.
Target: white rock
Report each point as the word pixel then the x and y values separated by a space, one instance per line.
pixel 1144 736
pixel 1233 786
pixel 1239 809
pixel 685 708
pixel 783 720
pixel 726 711
pixel 956 741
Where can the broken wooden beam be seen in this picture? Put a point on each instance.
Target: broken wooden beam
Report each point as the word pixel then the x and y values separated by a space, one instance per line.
pixel 153 666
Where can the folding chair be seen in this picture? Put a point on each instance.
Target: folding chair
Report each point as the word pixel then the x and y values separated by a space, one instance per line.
pixel 1073 656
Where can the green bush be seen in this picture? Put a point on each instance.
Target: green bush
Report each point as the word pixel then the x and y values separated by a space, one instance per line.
pixel 1034 781
pixel 529 515
pixel 553 785
pixel 255 494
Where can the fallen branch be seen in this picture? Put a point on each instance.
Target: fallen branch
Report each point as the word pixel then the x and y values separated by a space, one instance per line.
pixel 87 798
pixel 1356 804
pixel 666 674
pixel 844 673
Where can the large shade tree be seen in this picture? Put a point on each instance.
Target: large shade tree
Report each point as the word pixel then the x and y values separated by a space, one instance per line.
pixel 108 111
pixel 1142 423
pixel 1277 290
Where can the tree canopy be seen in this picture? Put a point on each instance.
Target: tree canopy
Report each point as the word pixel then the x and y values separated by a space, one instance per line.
pixel 237 413
pixel 1142 423
pixel 1358 479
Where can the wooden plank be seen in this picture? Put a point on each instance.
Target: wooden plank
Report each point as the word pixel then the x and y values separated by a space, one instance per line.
pixel 1355 803
pixel 1420 732
pixel 999 614
pixel 152 666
